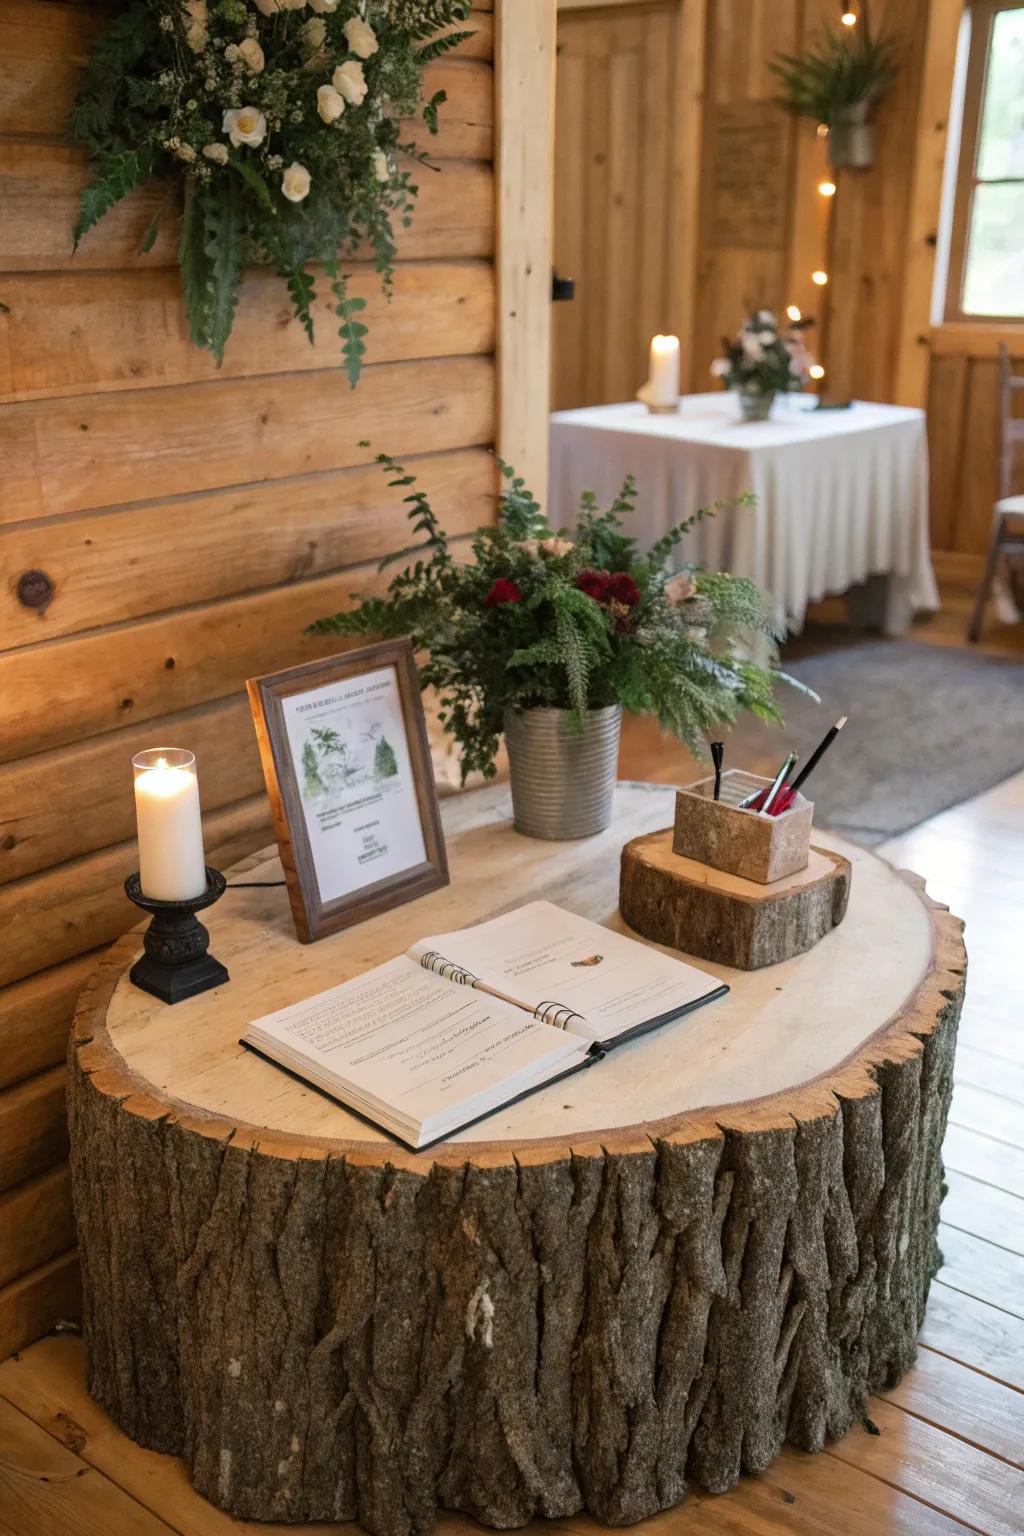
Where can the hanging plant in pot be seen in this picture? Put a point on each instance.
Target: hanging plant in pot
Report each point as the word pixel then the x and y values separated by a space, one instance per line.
pixel 838 82
pixel 280 121
pixel 762 362
pixel 546 636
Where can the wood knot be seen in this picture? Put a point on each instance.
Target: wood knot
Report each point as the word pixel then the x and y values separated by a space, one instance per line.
pixel 35 589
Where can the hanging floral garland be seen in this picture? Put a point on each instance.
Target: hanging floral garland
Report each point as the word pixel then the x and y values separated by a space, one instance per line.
pixel 282 118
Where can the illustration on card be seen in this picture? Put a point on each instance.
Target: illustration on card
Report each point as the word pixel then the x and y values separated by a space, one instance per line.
pixel 333 763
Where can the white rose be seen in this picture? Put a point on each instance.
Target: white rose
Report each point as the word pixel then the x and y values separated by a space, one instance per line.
pixel 680 588
pixel 720 367
pixel 381 165
pixel 323 7
pixel 218 153
pixel 314 33
pixel 251 53
pixel 329 103
pixel 349 79
pixel 245 125
pixel 555 547
pixel 295 182
pixel 196 27
pixel 361 37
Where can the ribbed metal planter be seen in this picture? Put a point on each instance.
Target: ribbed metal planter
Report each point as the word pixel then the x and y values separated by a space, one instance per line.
pixel 562 781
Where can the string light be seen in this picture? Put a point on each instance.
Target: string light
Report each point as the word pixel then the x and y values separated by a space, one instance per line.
pixel 827 188
pixel 816 371
pixel 823 130
pixel 848 19
pixel 820 278
pixel 793 312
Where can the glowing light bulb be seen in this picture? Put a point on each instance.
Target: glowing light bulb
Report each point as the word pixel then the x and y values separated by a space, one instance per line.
pixel 823 130
pixel 848 19
pixel 793 311
pixel 816 371
pixel 827 188
pixel 820 278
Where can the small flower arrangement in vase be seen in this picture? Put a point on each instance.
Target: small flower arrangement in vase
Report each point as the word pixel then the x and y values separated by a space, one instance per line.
pixel 761 363
pixel 546 636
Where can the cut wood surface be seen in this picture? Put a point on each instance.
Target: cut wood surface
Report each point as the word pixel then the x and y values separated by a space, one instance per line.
pixel 65 334
pixel 41 183
pixel 716 916
pixel 261 535
pixel 621 1209
pixel 68 455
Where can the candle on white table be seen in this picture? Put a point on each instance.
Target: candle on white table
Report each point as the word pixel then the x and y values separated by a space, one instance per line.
pixel 663 378
pixel 172 863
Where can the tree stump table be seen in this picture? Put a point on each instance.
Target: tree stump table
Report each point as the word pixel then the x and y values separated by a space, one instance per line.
pixel 719 1241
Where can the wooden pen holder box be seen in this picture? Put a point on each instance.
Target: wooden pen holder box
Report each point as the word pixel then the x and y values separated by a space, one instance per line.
pixel 743 843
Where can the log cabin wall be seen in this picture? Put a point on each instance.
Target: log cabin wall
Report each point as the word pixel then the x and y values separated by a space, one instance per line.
pixel 168 529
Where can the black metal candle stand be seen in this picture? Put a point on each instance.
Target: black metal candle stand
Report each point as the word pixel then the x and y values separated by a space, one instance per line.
pixel 176 964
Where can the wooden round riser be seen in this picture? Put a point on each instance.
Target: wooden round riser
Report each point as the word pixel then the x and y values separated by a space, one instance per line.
pixel 715 916
pixel 718 1240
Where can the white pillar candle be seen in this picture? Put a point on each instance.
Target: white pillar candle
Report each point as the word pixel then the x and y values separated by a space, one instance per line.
pixel 663 380
pixel 172 863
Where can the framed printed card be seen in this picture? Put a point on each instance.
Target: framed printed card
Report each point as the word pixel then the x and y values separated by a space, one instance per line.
pixel 348 771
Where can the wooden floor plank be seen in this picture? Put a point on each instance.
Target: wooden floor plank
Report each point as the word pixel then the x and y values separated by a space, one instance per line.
pixel 1000 1074
pixel 46 1490
pixel 984 1211
pixel 954 1477
pixel 973 1407
pixel 981 1336
pixel 990 1114
pixel 982 1270
pixel 799 1495
pixel 983 1158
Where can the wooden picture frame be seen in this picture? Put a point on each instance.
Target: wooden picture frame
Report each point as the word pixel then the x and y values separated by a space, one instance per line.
pixel 333 734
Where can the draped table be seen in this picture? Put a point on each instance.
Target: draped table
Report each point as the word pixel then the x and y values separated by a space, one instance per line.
pixel 719 1240
pixel 842 496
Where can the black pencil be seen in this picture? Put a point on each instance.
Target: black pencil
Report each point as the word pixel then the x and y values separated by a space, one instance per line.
pixel 816 756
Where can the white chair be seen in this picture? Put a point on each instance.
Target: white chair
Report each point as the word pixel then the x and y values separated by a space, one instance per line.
pixel 1008 512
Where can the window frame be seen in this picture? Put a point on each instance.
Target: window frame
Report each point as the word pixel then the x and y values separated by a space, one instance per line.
pixel 982 14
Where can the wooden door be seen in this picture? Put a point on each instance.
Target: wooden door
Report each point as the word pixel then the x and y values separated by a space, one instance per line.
pixel 614 160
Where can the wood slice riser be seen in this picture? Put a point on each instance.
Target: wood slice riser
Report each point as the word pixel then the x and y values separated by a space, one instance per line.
pixel 328 1332
pixel 704 919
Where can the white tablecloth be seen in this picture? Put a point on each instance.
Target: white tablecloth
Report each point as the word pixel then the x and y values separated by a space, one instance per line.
pixel 841 495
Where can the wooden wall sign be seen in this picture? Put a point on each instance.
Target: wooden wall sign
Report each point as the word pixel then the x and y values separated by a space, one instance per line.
pixel 749 175
pixel 347 765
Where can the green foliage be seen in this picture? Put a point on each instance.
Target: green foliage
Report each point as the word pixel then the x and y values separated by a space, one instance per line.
pixel 572 621
pixel 842 68
pixel 156 98
pixel 119 173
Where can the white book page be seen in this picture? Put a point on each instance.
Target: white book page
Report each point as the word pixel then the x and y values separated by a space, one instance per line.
pixel 413 1051
pixel 574 973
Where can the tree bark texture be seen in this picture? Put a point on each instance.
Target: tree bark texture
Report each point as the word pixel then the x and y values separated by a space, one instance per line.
pixel 707 919
pixel 331 1331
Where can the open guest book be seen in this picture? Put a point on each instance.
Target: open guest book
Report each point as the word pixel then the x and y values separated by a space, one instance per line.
pixel 465 1023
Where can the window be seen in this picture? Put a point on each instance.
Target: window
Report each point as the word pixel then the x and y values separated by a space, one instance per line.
pixel 986 269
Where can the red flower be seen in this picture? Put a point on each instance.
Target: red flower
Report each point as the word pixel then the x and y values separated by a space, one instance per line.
pixel 503 591
pixel 594 584
pixel 621 588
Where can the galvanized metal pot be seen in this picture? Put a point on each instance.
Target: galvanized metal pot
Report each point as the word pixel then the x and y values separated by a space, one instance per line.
pixel 562 780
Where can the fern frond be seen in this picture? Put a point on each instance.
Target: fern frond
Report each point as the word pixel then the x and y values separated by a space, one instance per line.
pixel 119 174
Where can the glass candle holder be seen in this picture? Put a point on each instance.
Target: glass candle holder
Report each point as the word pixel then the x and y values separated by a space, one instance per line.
pixel 172 862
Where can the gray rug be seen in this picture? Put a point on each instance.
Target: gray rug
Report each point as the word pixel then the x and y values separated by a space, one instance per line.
pixel 929 727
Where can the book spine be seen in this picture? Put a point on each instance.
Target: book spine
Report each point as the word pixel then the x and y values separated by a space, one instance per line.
pixel 556 1014
pixel 433 961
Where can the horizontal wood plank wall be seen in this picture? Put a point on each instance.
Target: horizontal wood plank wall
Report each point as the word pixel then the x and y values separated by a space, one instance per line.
pixel 191 522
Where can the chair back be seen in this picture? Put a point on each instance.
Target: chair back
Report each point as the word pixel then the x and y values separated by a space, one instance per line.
pixel 1011 426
